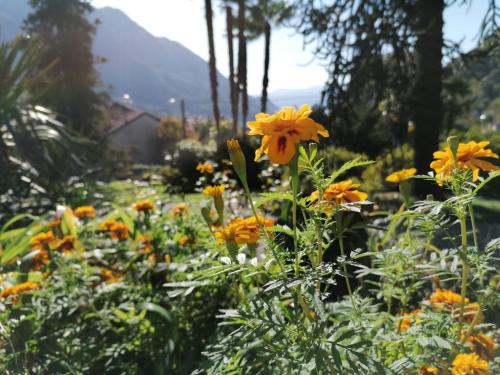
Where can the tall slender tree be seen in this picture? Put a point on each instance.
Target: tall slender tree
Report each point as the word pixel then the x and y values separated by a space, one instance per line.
pixel 212 63
pixel 233 89
pixel 66 32
pixel 242 63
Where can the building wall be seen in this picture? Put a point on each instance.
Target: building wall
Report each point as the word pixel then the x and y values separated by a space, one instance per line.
pixel 139 139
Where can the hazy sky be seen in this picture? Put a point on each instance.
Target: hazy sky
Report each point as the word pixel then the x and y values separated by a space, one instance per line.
pixel 292 65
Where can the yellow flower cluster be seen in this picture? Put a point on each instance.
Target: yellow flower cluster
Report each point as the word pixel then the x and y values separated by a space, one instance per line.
pixel 205 168
pixel 110 276
pixel 483 345
pixel 85 212
pixel 144 205
pixel 428 370
pixel 283 130
pixel 15 290
pixel 469 156
pixel 401 176
pixel 214 191
pixel 41 240
pixel 469 364
pixel 243 231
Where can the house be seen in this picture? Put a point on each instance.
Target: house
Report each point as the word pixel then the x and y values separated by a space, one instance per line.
pixel 134 132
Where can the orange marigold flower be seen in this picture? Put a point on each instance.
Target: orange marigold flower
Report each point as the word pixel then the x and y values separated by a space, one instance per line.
pixel 184 240
pixel 144 205
pixel 106 225
pixel 110 276
pixel 470 311
pixel 428 370
pixel 42 239
pixel 214 191
pixel 146 246
pixel 405 323
pixel 65 244
pixel 119 231
pixel 469 364
pixel 15 290
pixel 339 193
pixel 180 209
pixel 242 231
pixel 283 130
pixel 483 345
pixel 468 156
pixel 85 212
pixel 446 297
pixel 39 260
pixel 205 168
pixel 402 175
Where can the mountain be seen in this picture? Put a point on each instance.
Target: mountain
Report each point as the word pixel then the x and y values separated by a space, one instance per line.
pixel 282 98
pixel 152 70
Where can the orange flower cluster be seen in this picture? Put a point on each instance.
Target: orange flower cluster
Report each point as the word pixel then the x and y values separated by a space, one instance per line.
pixel 337 194
pixel 443 298
pixel 469 364
pixel 110 276
pixel 146 246
pixel 469 156
pixel 243 231
pixel 117 230
pixel 408 318
pixel 67 243
pixel 42 240
pixel 15 290
pixel 205 168
pixel 144 205
pixel 483 345
pixel 184 240
pixel 85 212
pixel 180 210
pixel 283 130
pixel 214 191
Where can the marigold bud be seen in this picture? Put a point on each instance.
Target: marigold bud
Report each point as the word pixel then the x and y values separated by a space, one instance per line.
pixel 237 159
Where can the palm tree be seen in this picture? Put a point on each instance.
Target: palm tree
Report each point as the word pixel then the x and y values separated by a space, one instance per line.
pixel 211 62
pixel 242 62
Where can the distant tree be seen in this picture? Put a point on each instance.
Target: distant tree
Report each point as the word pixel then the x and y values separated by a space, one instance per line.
pixel 66 32
pixel 378 50
pixel 233 88
pixel 242 62
pixel 211 62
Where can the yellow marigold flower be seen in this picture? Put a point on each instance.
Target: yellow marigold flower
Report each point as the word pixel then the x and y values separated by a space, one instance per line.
pixel 107 224
pixel 283 130
pixel 483 345
pixel 119 231
pixel 15 290
pixel 400 176
pixel 144 205
pixel 85 212
pixel 180 209
pixel 65 244
pixel 468 156
pixel 39 260
pixel 446 297
pixel 110 276
pixel 339 193
pixel 469 364
pixel 214 191
pixel 205 168
pixel 428 370
pixel 42 239
pixel 408 318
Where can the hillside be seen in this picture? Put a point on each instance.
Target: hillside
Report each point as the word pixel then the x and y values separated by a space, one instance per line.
pixel 150 69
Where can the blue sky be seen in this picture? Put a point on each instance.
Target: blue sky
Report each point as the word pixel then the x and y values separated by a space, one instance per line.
pixel 292 65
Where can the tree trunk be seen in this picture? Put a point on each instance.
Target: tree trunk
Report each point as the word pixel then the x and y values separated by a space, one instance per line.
pixel 265 80
pixel 211 62
pixel 233 89
pixel 242 62
pixel 183 119
pixel 427 91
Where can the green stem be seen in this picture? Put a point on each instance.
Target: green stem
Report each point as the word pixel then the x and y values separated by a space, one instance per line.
pixel 342 253
pixel 294 173
pixel 473 224
pixel 465 269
